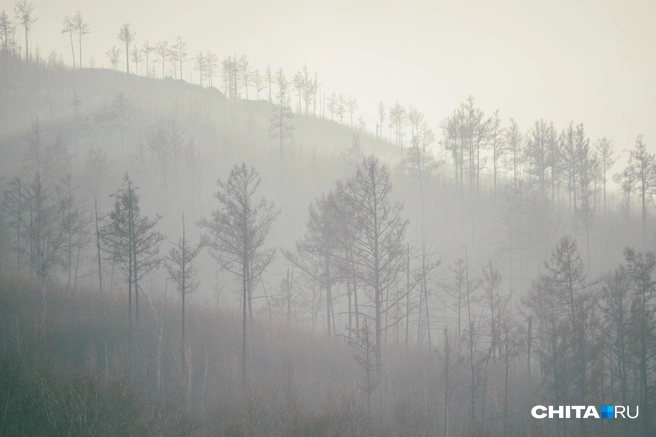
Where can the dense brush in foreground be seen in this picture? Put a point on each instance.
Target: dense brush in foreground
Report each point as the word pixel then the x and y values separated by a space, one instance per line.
pixel 74 378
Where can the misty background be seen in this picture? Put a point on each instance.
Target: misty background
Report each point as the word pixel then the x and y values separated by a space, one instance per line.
pixel 507 150
pixel 563 61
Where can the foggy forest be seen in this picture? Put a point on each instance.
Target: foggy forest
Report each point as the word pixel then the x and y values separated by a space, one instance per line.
pixel 194 242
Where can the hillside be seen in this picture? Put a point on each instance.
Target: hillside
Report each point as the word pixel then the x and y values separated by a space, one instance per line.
pixel 226 133
pixel 488 285
pixel 73 377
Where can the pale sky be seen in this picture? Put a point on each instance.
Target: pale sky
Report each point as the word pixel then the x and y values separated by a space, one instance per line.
pixel 582 60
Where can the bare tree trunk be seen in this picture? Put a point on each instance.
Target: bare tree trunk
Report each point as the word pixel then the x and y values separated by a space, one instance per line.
pixel 95 201
pixel 159 357
pixel 245 274
pixel 77 264
pixel 328 296
pixel 425 290
pixel 289 298
pixel 356 308
pixel 350 311
pixel 129 315
pixel 72 48
pixel 505 394
pixel 407 297
pixel 111 277
pixel 529 340
pixel 69 232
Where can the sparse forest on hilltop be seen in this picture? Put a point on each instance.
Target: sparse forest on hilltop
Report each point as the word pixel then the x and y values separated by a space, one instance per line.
pixel 190 246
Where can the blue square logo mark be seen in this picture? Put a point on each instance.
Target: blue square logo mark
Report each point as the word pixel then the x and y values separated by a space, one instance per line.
pixel 607 411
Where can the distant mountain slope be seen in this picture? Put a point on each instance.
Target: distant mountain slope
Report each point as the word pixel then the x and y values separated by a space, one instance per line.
pixel 48 94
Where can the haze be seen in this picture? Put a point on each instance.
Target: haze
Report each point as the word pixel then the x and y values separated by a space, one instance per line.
pixel 584 60
pixel 304 219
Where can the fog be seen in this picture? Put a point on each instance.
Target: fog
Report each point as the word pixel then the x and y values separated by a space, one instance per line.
pixel 560 60
pixel 359 218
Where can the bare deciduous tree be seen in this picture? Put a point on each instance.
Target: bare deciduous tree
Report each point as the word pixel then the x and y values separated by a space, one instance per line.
pixel 179 264
pixel 162 50
pixel 180 50
pixel 131 240
pixel 236 233
pixel 68 28
pixel 352 106
pixel 127 36
pixel 114 56
pixel 210 67
pixel 136 58
pixel 378 229
pixel 83 29
pixel 24 11
pixel 316 253
pixel 280 122
pixel 607 160
pixel 641 267
pixel 147 49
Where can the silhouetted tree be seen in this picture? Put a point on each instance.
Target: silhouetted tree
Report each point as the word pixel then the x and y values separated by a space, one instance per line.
pixel 280 122
pixel 210 67
pixel 200 66
pixel 236 232
pixel 46 231
pixel 332 105
pixel 617 300
pixel 308 88
pixel 162 50
pixel 180 49
pixel 419 162
pixel 644 169
pixel 268 76
pixel 585 167
pixel 147 49
pixel 6 30
pixel 352 106
pixel 114 56
pixel 97 166
pixel 514 142
pixel 245 73
pixel 136 58
pixel 511 339
pixel 641 267
pixel 298 81
pixel 316 253
pixel 130 239
pixel 398 120
pixel 68 28
pixel 381 120
pixel 24 11
pixel 82 28
pixel 179 264
pixel 378 229
pixel 497 146
pixel 258 83
pixel 127 36
pixel 340 108
pixel 536 154
pixel 607 160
